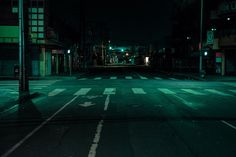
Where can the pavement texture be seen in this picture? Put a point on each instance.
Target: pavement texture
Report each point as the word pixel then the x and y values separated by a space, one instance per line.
pixel 123 113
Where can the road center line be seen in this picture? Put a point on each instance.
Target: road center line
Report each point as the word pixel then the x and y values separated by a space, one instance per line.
pixel 228 124
pixel 18 144
pixel 107 103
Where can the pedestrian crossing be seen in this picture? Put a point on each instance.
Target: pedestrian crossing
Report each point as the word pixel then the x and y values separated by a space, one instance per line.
pixel 143 91
pixel 127 78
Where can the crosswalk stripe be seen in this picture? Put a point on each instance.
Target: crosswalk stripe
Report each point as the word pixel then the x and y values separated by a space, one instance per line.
pixel 138 91
pixel 97 78
pixel 174 79
pixel 82 79
pixel 55 92
pixel 233 91
pixel 82 91
pixel 192 92
pixel 128 77
pixel 113 78
pixel 109 91
pixel 166 91
pixel 143 78
pixel 157 78
pixel 213 91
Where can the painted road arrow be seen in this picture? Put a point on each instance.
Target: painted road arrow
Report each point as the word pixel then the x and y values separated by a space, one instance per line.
pixel 87 104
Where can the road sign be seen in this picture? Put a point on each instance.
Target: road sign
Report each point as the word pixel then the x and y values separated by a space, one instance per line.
pixel 210 37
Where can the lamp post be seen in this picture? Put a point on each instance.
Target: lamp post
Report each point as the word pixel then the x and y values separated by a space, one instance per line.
pixel 201 39
pixel 23 50
pixel 70 61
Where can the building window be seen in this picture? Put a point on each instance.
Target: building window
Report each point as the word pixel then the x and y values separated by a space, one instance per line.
pixel 41 29
pixel 41 35
pixel 40 10
pixel 34 29
pixel 34 16
pixel 41 16
pixel 34 22
pixel 14 10
pixel 34 10
pixel 41 23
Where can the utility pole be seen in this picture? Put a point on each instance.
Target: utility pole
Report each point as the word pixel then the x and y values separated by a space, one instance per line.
pixel 23 51
pixel 201 37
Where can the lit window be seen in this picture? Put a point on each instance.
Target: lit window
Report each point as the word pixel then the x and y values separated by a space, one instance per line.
pixel 34 16
pixel 41 35
pixel 40 10
pixel 41 29
pixel 41 16
pixel 41 23
pixel 34 29
pixel 34 22
pixel 33 35
pixel 34 10
pixel 14 10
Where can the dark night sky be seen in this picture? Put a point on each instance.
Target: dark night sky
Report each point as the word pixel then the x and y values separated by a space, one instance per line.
pixel 141 20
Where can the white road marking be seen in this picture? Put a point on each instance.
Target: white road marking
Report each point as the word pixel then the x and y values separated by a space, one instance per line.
pixel 228 124
pixel 93 148
pixel 107 103
pixel 37 88
pixel 97 78
pixel 109 91
pixel 113 78
pixel 9 111
pixel 193 92
pixel 18 144
pixel 189 104
pixel 55 92
pixel 83 79
pixel 166 91
pixel 213 91
pixel 143 78
pixel 83 91
pixel 128 77
pixel 233 91
pixel 138 91
pixel 87 104
pixel 157 78
pixel 174 79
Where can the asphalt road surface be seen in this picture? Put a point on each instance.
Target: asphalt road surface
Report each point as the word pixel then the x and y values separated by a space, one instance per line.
pixel 120 114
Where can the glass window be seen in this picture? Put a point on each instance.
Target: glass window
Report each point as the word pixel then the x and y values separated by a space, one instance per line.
pixel 41 16
pixel 41 23
pixel 33 35
pixel 41 29
pixel 34 10
pixel 14 10
pixel 41 35
pixel 34 22
pixel 34 16
pixel 40 10
pixel 34 29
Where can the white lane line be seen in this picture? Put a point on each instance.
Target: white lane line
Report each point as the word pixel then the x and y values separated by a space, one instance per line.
pixel 9 111
pixel 113 78
pixel 55 92
pixel 233 91
pixel 193 92
pixel 157 78
pixel 109 91
pixel 128 77
pixel 166 91
pixel 213 91
pixel 143 78
pixel 228 124
pixel 93 148
pixel 83 91
pixel 107 103
pixel 138 91
pixel 174 79
pixel 83 79
pixel 97 78
pixel 18 144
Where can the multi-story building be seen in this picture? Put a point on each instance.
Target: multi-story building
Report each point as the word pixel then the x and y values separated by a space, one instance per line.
pixel 46 52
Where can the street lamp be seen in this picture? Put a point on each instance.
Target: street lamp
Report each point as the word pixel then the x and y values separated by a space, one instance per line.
pixel 70 62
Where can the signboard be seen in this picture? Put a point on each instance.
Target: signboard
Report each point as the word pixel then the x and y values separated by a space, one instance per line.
pixel 210 37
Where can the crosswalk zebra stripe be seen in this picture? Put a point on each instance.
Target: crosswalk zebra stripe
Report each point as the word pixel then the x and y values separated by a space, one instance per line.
pixel 129 77
pixel 143 78
pixel 97 78
pixel 166 91
pixel 55 92
pixel 113 78
pixel 213 91
pixel 82 91
pixel 109 91
pixel 82 79
pixel 193 92
pixel 157 78
pixel 138 91
pixel 233 91
pixel 174 79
